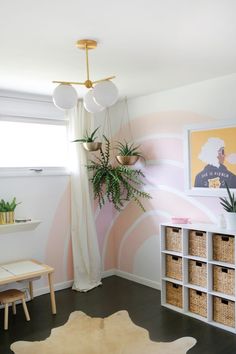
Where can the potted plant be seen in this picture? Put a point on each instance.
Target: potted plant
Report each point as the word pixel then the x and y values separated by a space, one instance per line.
pixel 128 153
pixel 7 210
pixel 229 205
pixel 89 142
pixel 118 184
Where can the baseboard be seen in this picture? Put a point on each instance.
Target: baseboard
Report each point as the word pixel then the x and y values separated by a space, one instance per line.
pixel 132 277
pixel 108 273
pixel 105 274
pixel 138 279
pixel 58 286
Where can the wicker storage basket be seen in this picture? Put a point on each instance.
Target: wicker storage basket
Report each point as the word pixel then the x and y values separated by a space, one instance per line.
pixel 174 294
pixel 198 302
pixel 197 273
pixel 174 267
pixel 197 243
pixel 223 248
pixel 224 311
pixel 224 280
pixel 173 239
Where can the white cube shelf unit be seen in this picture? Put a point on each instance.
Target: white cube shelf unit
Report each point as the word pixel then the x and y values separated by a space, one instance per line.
pixel 198 272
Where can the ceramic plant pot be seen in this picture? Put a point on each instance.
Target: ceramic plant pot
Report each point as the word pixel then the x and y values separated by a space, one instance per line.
pixel 94 146
pixel 230 221
pixel 127 160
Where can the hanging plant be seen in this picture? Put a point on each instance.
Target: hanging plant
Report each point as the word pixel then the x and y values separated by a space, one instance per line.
pixel 128 153
pixel 89 142
pixel 118 183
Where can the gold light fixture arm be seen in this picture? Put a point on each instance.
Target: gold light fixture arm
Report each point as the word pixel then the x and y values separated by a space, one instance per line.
pixel 106 79
pixel 87 61
pixel 68 82
pixel 85 44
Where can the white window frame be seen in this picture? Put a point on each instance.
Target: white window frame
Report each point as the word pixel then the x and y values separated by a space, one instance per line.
pixel 37 170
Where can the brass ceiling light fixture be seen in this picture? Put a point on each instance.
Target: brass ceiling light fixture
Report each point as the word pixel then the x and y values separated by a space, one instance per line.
pixel 101 93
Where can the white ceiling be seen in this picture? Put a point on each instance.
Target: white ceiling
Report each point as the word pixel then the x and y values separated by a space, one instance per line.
pixel 150 45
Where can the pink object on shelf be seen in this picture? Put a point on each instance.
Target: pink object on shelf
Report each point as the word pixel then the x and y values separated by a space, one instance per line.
pixel 178 220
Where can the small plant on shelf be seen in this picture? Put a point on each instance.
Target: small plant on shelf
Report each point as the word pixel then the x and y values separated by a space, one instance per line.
pixel 128 153
pixel 229 204
pixel 7 211
pixel 8 206
pixel 118 184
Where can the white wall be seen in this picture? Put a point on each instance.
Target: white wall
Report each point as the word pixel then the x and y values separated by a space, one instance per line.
pixel 46 198
pixel 214 98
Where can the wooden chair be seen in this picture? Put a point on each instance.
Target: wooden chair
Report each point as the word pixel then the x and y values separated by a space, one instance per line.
pixel 11 296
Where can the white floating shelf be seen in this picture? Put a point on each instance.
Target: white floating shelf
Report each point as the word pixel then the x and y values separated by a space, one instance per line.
pixel 19 226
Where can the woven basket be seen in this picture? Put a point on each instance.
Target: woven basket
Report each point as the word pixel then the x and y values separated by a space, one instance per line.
pixel 224 311
pixel 197 243
pixel 198 302
pixel 173 239
pixel 174 294
pixel 224 280
pixel 197 273
pixel 174 267
pixel 223 248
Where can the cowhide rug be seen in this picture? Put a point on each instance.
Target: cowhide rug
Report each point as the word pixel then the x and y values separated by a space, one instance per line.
pixel 116 334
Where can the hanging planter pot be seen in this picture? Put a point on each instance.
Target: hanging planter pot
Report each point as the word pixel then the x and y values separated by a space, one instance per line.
pixel 127 160
pixel 93 146
pixel 89 142
pixel 128 153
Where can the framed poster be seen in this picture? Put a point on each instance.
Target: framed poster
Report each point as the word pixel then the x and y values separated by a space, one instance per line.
pixel 210 158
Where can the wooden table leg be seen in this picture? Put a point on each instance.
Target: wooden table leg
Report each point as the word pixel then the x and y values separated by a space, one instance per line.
pixel 52 294
pixel 6 317
pixel 31 290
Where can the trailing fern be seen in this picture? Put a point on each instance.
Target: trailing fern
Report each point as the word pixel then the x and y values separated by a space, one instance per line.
pixel 117 183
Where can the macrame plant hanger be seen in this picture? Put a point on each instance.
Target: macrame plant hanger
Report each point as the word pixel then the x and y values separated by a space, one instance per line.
pixel 127 151
pixel 125 119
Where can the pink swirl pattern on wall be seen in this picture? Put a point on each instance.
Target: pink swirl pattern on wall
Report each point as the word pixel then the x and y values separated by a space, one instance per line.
pixel 162 139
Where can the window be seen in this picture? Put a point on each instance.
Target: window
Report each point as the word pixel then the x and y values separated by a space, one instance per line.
pixel 33 146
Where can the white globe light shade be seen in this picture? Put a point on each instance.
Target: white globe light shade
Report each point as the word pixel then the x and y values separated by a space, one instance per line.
pixel 105 93
pixel 89 103
pixel 65 96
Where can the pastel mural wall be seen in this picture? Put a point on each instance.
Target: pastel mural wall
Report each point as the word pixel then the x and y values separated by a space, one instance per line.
pixel 130 240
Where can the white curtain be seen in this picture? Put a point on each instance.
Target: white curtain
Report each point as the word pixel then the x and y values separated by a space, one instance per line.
pixel 86 256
